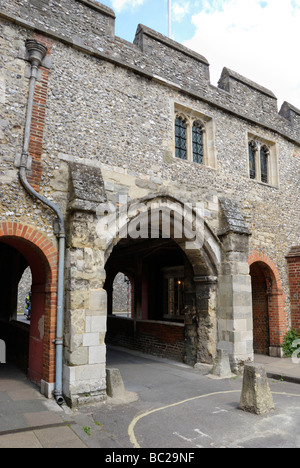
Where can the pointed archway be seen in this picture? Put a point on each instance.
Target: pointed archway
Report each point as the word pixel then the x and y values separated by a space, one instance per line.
pixel 173 259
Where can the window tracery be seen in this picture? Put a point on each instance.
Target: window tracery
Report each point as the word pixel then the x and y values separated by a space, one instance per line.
pixel 191 137
pixel 263 165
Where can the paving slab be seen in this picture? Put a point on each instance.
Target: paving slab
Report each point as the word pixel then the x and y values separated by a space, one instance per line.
pixel 280 368
pixel 22 440
pixel 24 394
pixel 42 418
pixel 29 420
pixel 59 437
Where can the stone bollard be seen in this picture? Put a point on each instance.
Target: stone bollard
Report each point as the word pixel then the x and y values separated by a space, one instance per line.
pixel 114 383
pixel 256 394
pixel 221 367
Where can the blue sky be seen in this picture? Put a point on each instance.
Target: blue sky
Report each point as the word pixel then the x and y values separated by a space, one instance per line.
pixel 153 13
pixel 259 39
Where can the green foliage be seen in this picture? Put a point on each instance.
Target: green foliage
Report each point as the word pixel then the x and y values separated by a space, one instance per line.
pixel 288 347
pixel 87 430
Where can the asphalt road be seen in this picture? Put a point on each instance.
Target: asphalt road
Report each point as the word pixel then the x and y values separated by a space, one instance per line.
pixel 172 406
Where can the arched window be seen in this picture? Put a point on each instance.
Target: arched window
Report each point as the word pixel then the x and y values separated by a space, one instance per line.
pixel 252 163
pixel 122 299
pixel 264 156
pixel 197 141
pixel 180 138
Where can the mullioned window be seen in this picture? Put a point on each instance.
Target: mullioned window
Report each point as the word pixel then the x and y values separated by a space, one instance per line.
pixel 263 163
pixel 194 137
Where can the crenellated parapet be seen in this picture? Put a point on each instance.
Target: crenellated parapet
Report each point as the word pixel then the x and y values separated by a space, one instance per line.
pixel 290 113
pixel 86 21
pixel 260 103
pixel 89 26
pixel 250 94
pixel 172 60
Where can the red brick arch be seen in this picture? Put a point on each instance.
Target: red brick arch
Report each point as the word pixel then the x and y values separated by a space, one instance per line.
pixel 42 256
pixel 275 297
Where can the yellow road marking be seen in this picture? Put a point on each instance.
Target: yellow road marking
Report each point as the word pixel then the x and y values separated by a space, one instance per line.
pixel 137 418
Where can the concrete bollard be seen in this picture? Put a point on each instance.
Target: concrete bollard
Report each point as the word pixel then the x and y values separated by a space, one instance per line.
pixel 114 383
pixel 256 395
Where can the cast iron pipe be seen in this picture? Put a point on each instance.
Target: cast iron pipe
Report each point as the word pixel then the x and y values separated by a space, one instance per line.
pixel 36 53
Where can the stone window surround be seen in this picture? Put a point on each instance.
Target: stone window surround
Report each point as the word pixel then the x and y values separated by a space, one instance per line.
pixel 273 173
pixel 190 116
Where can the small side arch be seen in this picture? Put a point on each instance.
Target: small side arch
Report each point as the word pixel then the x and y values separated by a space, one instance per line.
pixel 268 304
pixel 27 246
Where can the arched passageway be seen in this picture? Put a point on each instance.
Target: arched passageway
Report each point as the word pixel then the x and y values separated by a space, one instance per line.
pixel 28 345
pixel 160 273
pixel 159 276
pixel 260 306
pixel 268 305
pixel 173 296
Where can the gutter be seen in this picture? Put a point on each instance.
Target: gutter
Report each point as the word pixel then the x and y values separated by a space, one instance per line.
pixel 37 52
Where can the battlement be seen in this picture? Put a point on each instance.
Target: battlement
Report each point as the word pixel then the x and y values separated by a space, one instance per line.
pixel 290 113
pixel 83 20
pixel 250 97
pixel 237 84
pixel 230 79
pixel 173 60
pixel 103 9
pixel 89 26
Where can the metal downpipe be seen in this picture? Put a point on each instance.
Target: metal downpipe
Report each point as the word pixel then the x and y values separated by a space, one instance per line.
pixel 36 53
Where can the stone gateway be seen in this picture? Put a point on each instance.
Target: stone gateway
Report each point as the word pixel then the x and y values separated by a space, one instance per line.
pixel 122 158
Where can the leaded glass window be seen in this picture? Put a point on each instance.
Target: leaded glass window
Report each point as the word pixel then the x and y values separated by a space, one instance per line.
pixel 180 138
pixel 173 292
pixel 197 135
pixel 252 166
pixel 264 154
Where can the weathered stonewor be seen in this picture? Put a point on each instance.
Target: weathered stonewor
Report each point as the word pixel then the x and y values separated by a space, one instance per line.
pixel 221 367
pixel 103 129
pixel 256 394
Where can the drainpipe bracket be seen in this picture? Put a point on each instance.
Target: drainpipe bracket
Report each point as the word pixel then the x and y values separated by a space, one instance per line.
pixel 28 73
pixel 58 341
pixel 58 229
pixel 23 160
pixel 17 162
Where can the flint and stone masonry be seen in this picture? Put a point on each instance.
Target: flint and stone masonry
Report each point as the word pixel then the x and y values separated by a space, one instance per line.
pixel 103 136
